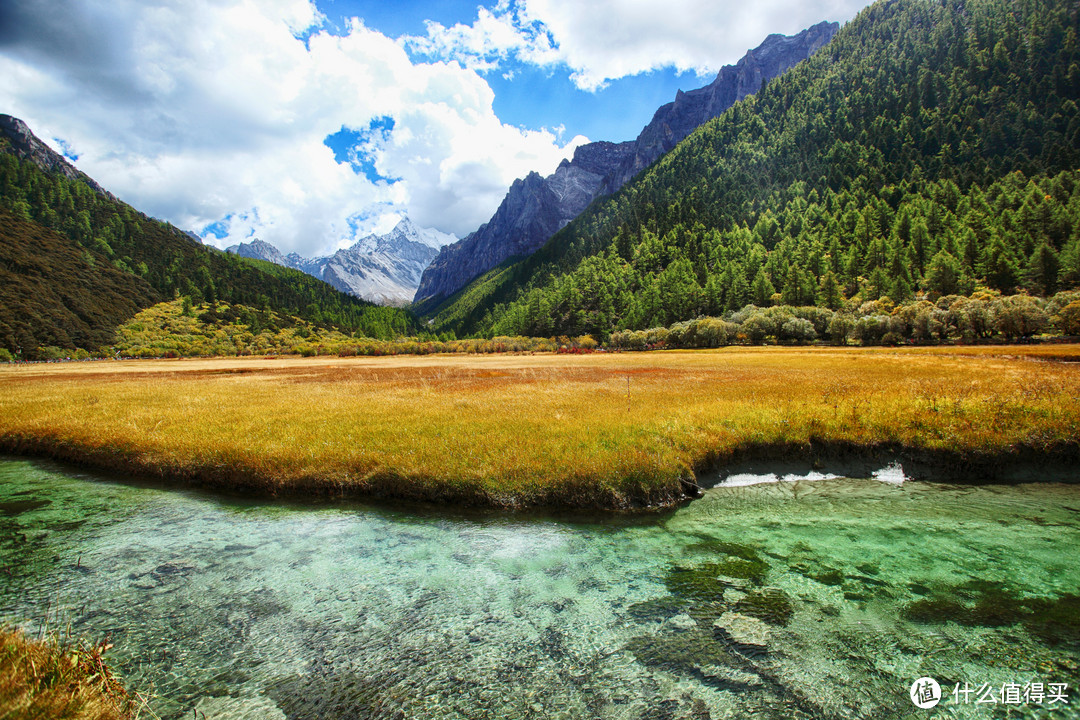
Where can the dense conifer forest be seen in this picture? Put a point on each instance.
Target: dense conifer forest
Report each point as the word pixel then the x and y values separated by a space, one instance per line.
pixel 930 150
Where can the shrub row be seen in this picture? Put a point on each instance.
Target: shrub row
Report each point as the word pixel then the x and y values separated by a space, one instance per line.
pixel 984 316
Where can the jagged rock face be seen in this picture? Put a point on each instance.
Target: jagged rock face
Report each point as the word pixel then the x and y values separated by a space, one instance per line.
pixel 533 210
pixel 383 269
pixel 676 120
pixel 259 250
pixel 536 208
pixel 27 146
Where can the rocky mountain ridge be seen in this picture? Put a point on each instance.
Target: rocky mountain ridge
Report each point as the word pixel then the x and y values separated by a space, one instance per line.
pixel 535 208
pixel 26 145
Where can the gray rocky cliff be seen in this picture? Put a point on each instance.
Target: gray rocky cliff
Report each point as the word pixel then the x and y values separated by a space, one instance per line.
pixel 26 145
pixel 536 208
pixel 675 121
pixel 259 250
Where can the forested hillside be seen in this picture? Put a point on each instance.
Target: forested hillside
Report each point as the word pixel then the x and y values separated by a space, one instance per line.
pixel 57 294
pixel 932 148
pixel 160 262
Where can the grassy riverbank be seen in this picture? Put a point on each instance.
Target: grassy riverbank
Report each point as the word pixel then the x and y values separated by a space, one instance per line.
pixel 617 430
pixel 51 679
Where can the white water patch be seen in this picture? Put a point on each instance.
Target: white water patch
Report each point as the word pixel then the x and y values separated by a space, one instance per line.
pixel 744 479
pixel 892 474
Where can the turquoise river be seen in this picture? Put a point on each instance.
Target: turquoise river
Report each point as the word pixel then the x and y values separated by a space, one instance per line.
pixel 804 598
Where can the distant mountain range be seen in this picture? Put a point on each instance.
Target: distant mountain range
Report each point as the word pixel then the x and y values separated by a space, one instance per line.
pixel 928 153
pixel 383 269
pixel 535 208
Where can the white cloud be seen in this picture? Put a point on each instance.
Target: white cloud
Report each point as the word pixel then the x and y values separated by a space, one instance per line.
pixel 215 111
pixel 205 110
pixel 604 40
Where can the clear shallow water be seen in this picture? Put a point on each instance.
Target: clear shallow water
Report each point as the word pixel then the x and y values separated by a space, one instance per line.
pixel 817 598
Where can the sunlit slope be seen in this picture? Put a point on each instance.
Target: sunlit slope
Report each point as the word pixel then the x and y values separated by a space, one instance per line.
pixel 927 137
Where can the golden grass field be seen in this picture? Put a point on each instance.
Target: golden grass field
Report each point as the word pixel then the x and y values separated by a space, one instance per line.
pixel 602 430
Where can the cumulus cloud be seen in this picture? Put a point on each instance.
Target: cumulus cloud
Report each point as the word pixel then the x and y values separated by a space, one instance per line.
pixel 214 112
pixel 604 40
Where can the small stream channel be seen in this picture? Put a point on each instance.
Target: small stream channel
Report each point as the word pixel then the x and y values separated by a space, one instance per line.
pixel 810 598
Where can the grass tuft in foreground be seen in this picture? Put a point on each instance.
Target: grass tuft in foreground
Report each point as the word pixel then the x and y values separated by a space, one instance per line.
pixel 56 680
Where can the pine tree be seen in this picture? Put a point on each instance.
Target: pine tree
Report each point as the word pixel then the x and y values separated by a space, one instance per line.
pixel 1000 266
pixel 828 294
pixel 791 294
pixel 762 289
pixel 1069 272
pixel 900 290
pixel 739 292
pixel 920 246
pixel 944 274
pixel 1041 275
pixel 877 285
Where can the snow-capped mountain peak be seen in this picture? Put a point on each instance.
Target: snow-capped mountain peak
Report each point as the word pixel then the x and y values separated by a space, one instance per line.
pixel 384 269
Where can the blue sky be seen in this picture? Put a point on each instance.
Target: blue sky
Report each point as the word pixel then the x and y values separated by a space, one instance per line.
pixel 308 123
pixel 534 97
pixel 396 18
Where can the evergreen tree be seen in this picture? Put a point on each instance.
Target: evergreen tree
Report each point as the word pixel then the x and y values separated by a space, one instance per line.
pixel 944 274
pixel 925 151
pixel 877 285
pixel 762 290
pixel 739 294
pixel 1069 271
pixel 1000 266
pixel 1041 274
pixel 791 294
pixel 828 294
pixel 901 289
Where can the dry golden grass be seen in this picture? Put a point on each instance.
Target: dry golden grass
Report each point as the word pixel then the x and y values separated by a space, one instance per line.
pixel 545 429
pixel 55 681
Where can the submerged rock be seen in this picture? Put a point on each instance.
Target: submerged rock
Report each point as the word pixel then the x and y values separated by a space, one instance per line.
pixel 1055 621
pixel 681 623
pixel 743 629
pixel 830 576
pixel 239 708
pixel 741 569
pixel 17 507
pixel 682 652
pixel 733 595
pixel 695 582
pixel 655 609
pixel 727 676
pixel 984 604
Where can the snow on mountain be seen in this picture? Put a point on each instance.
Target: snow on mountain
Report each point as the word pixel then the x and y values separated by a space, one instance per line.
pixel 384 269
